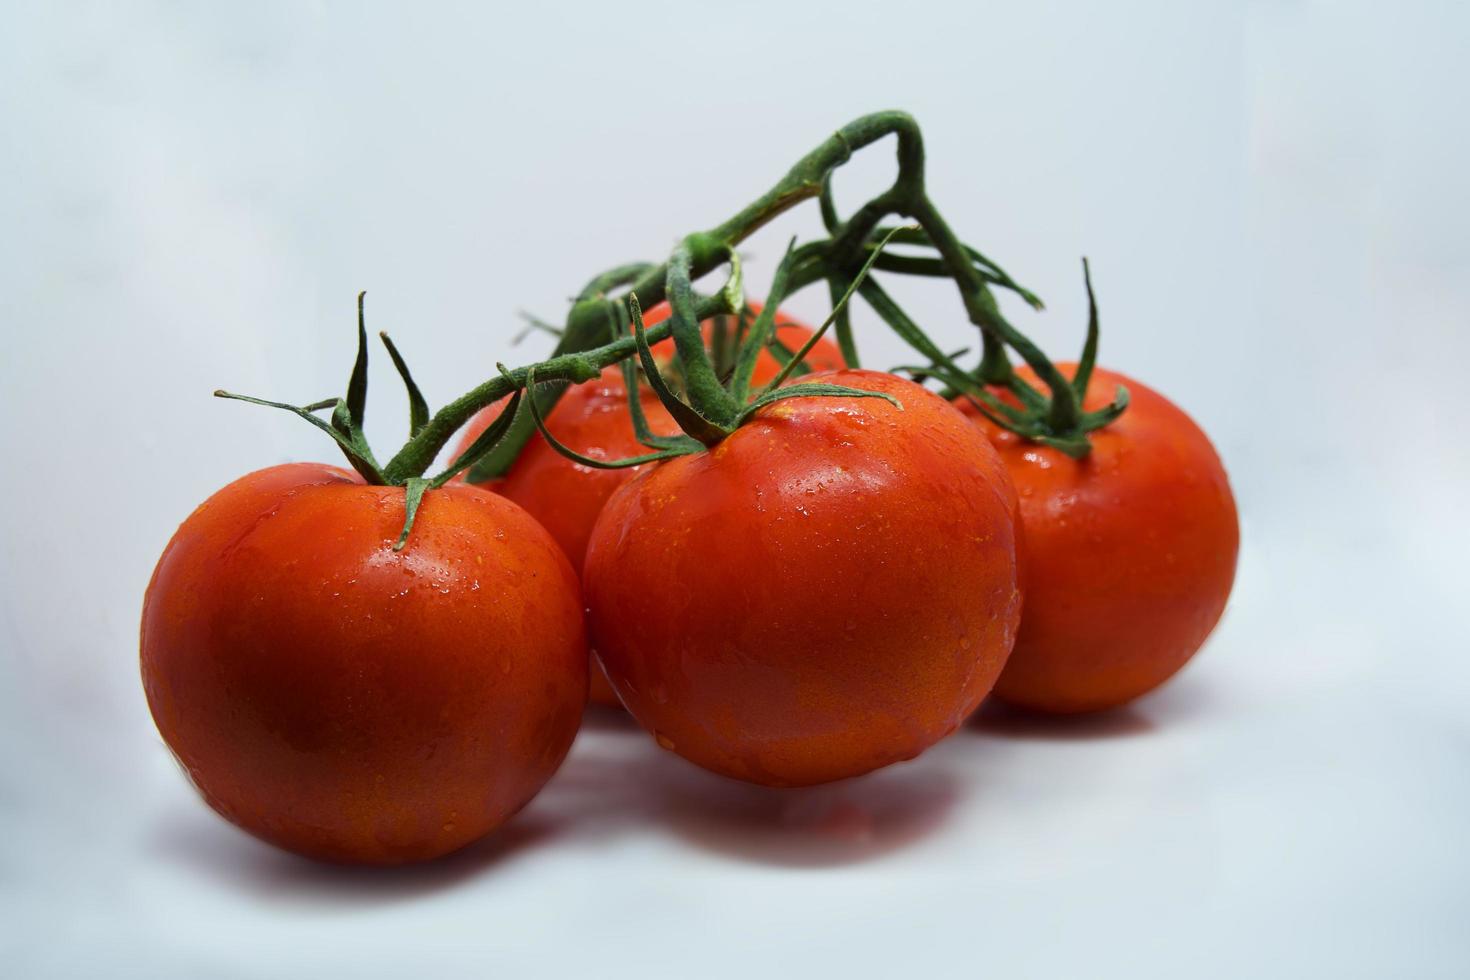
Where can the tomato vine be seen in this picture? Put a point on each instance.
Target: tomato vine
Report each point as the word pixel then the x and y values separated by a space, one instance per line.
pixel 593 336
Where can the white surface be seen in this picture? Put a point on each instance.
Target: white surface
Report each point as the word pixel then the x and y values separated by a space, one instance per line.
pixel 1275 201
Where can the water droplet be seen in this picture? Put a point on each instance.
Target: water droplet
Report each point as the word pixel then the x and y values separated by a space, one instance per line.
pixel 663 741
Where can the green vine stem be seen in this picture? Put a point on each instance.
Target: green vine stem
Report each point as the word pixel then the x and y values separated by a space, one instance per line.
pixel 718 391
pixel 707 250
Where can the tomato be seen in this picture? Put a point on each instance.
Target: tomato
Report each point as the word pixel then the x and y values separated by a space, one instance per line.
pixel 831 589
pixel 354 703
pixel 593 419
pixel 1129 553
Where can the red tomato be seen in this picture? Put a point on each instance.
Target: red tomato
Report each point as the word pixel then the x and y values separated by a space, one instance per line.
pixel 354 703
pixel 1129 553
pixel 831 589
pixel 593 419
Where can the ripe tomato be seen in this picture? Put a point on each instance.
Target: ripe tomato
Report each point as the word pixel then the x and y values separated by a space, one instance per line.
pixel 1129 553
pixel 354 703
pixel 593 419
pixel 831 589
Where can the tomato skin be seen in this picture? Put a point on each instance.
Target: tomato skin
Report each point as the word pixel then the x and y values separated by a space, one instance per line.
pixel 349 702
pixel 1129 553
pixel 593 419
pixel 831 589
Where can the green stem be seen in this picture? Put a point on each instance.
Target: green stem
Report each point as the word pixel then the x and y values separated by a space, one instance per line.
pixel 701 382
pixel 995 368
pixel 420 451
pixel 708 250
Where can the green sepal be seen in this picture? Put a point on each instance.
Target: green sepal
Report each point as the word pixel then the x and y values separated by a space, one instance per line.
pixel 349 414
pixel 362 462
pixel 688 446
pixel 842 319
pixel 1083 375
pixel 837 308
pixel 418 406
pixel 413 495
pixel 919 373
pixel 641 430
pixel 343 425
pixel 903 325
pixel 1106 414
pixel 1027 393
pixel 991 271
pixel 763 331
pixel 693 423
pixel 814 389
pixel 706 396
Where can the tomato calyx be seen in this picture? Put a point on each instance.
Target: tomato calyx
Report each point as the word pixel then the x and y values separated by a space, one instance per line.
pixel 345 427
pixel 1056 420
pixel 718 403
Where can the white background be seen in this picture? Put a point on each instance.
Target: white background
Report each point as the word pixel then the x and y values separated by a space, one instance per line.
pixel 1275 200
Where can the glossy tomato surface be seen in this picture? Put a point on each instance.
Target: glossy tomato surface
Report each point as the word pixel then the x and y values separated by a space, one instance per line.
pixel 831 589
pixel 1129 553
pixel 593 419
pixel 353 703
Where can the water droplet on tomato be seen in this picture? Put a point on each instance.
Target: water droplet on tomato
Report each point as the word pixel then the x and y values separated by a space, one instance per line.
pixel 664 742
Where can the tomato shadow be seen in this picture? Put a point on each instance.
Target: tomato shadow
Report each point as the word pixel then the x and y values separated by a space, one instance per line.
pixel 616 784
pixel 205 844
pixel 1008 721
pixel 1181 700
pixel 620 782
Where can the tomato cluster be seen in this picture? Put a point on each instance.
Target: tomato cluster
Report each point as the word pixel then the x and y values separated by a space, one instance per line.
pixel 789 570
pixel 833 588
